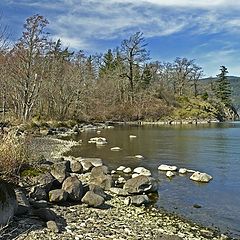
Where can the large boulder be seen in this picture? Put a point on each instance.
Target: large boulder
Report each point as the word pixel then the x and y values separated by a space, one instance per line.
pixel 76 166
pixel 92 199
pixel 61 170
pixel 58 195
pixel 98 190
pixel 73 187
pixel 140 184
pixel 8 202
pixel 201 177
pixel 100 177
pixel 47 181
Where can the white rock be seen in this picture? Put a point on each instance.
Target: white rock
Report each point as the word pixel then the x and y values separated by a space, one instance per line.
pixel 139 156
pixel 101 142
pixel 98 140
pixel 132 136
pixel 142 171
pixel 98 132
pixel 113 172
pixel 127 170
pixel 191 171
pixel 110 127
pixel 201 177
pixel 170 174
pixel 116 149
pixel 164 167
pixel 182 170
pixel 135 175
pixel 121 168
pixel 121 180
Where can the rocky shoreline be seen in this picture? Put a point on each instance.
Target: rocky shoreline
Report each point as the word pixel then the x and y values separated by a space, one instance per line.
pixel 116 222
pixel 117 217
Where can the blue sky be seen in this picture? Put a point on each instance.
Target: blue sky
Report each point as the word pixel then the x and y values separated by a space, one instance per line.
pixel 205 30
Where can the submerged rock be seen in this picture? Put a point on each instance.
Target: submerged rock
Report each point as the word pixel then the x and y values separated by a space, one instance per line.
pixel 182 170
pixel 142 171
pixel 164 167
pixel 127 170
pixel 132 136
pixel 121 168
pixel 201 177
pixel 116 149
pixel 170 174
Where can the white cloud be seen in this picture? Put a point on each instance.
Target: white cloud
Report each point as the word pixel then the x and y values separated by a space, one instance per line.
pixel 82 23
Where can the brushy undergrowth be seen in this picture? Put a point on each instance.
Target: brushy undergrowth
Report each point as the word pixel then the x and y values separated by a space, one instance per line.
pixel 14 153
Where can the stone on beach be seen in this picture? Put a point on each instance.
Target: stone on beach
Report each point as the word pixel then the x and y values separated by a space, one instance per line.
pixel 76 166
pixel 100 177
pixel 119 191
pixel 140 184
pixel 139 200
pixel 92 199
pixel 60 170
pixel 164 167
pixel 73 187
pixel 58 195
pixel 96 162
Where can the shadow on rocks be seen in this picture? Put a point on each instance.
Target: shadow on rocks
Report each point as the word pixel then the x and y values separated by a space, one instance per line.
pixel 37 219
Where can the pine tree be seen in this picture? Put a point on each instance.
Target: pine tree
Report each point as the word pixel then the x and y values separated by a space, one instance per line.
pixel 223 88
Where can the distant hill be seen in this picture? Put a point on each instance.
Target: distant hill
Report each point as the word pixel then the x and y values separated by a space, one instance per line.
pixel 235 85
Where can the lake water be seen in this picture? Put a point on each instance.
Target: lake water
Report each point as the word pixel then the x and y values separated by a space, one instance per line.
pixel 213 149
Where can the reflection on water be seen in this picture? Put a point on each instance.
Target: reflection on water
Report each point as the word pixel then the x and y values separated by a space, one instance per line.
pixel 209 148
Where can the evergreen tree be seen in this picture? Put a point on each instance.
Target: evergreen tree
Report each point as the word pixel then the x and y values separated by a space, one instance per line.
pixel 146 76
pixel 108 62
pixel 223 88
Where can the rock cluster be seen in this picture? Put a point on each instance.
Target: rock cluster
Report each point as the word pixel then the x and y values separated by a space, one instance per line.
pixel 196 175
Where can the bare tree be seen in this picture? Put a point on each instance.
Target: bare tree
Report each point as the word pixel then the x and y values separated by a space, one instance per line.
pixel 28 63
pixel 134 54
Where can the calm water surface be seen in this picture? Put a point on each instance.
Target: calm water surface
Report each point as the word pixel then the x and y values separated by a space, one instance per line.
pixel 214 149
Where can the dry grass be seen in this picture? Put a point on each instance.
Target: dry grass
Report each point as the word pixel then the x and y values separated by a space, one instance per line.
pixel 14 152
